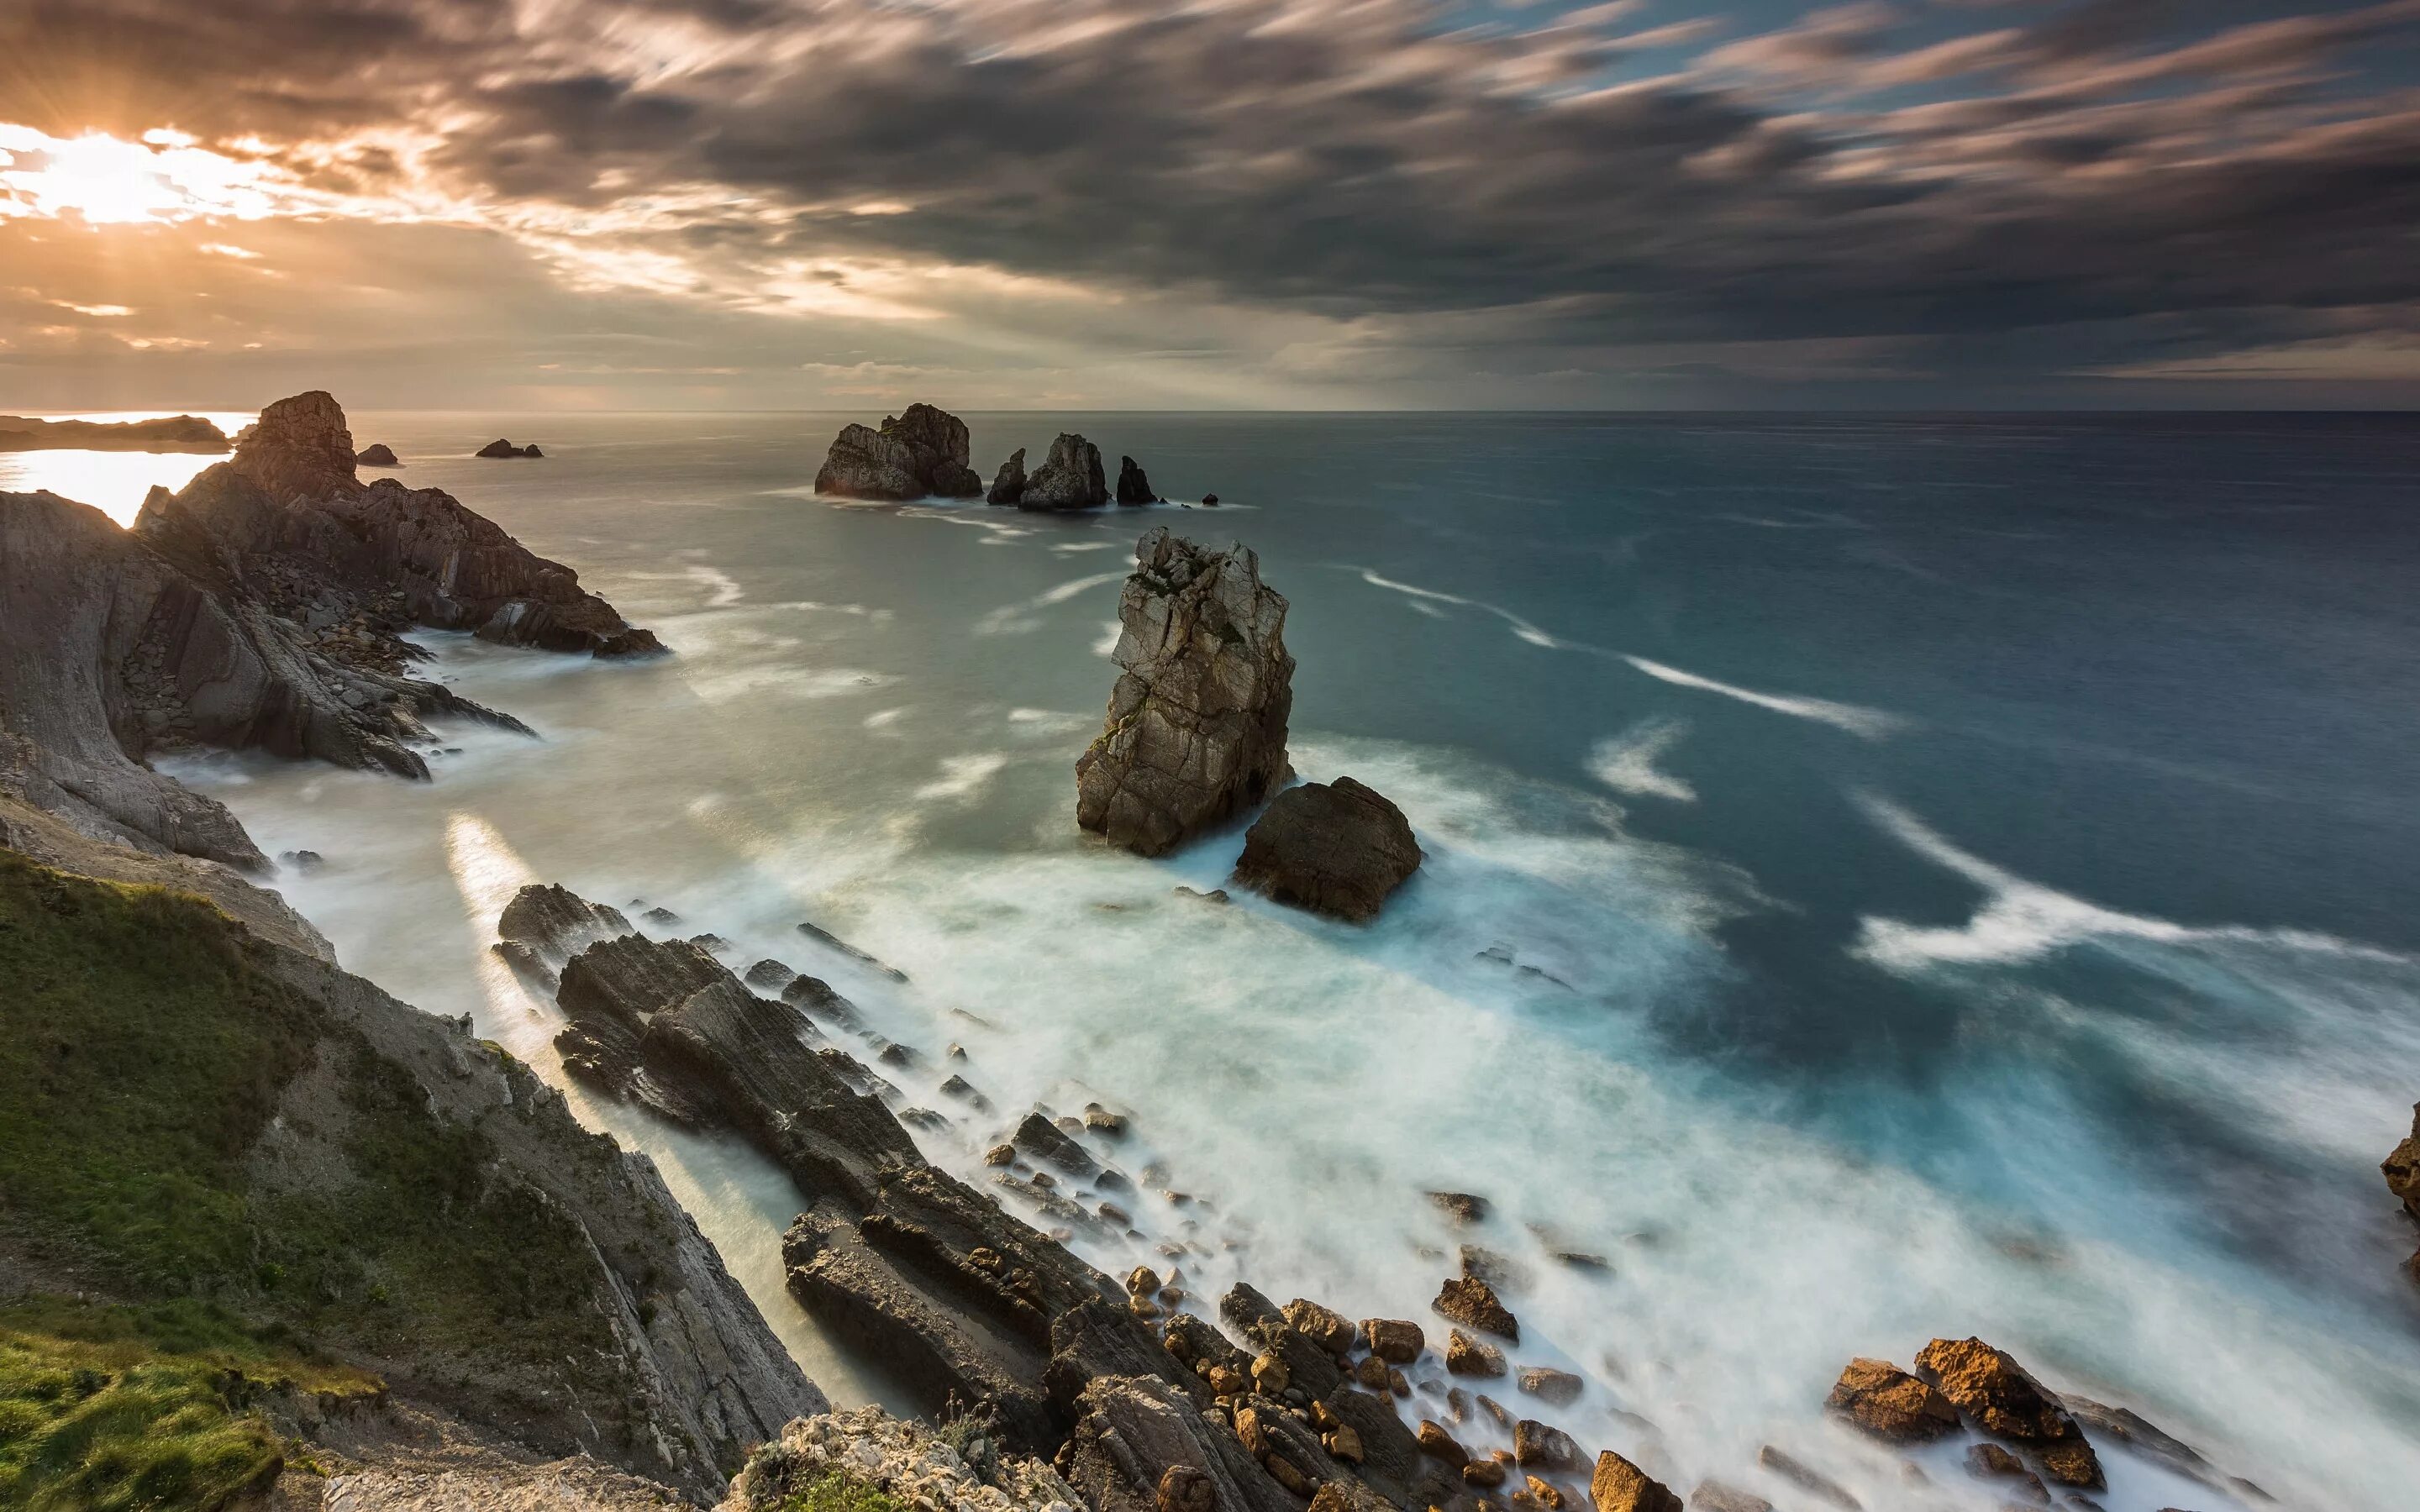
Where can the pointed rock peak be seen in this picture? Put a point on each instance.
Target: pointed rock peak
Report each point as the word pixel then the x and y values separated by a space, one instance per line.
pixel 298 449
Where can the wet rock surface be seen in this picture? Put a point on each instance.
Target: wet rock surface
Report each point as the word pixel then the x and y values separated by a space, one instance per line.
pixel 1891 1404
pixel 1134 485
pixel 1337 849
pixel 2402 1170
pixel 2005 1400
pixel 1196 729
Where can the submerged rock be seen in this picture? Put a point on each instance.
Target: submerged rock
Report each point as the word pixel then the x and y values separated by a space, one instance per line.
pixel 1337 848
pixel 922 454
pixel 1069 478
pixel 1196 729
pixel 1134 487
pixel 2000 1395
pixel 379 455
pixel 1008 485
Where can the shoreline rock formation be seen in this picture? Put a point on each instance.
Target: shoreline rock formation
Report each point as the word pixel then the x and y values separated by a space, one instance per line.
pixel 920 453
pixel 1195 730
pixel 260 606
pixel 172 433
pixel 1134 487
pixel 1008 485
pixel 2402 1170
pixel 1337 849
pixel 1069 478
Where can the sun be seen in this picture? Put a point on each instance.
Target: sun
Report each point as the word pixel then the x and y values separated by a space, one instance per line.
pixel 105 180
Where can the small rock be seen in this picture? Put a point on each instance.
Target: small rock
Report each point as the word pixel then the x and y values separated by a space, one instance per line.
pixel 1560 1387
pixel 1714 1496
pixel 1464 1208
pixel 1806 1479
pixel 1393 1339
pixel 1001 1155
pixel 1371 1372
pixel 1437 1444
pixel 1211 500
pixel 1342 1442
pixel 1216 895
pixel 1184 1488
pixel 1473 1303
pixel 1468 1356
pixel 1324 1326
pixel 1549 1495
pixel 1542 1446
pixel 1989 1462
pixel 1620 1485
pixel 304 863
pixel 1270 1375
pixel 1102 1121
pixel 1142 1281
pixel 1484 1474
pixel 1989 1386
pixel 771 974
pixel 1890 1404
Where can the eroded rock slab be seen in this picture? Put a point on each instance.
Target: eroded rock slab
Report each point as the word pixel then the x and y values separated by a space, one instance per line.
pixel 1195 730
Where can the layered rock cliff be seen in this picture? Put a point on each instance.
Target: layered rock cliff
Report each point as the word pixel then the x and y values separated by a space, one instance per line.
pixel 1196 731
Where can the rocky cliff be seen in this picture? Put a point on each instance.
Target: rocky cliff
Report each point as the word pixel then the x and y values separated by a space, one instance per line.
pixel 1195 730
pixel 238 1120
pixel 261 607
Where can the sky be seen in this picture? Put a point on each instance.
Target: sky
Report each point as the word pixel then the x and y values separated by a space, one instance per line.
pixel 1254 204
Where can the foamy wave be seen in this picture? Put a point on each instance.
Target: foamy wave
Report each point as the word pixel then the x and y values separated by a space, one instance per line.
pixel 963 777
pixel 1871 724
pixel 1023 617
pixel 2022 920
pixel 1626 762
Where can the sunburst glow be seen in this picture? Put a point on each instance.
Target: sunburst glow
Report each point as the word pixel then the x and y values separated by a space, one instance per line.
pixel 103 180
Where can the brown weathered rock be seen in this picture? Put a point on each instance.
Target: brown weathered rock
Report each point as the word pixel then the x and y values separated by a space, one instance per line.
pixel 1464 1209
pixel 922 454
pixel 1471 1301
pixel 499 448
pixel 1008 485
pixel 1437 1444
pixel 1888 1403
pixel 1185 1489
pixel 1619 1486
pixel 1468 1356
pixel 1324 1326
pixel 379 455
pixel 1196 729
pixel 1337 848
pixel 1394 1340
pixel 298 449
pixel 1070 477
pixel 1486 1475
pixel 1561 1387
pixel 2402 1169
pixel 1542 1446
pixel 1991 1387
pixel 1371 1372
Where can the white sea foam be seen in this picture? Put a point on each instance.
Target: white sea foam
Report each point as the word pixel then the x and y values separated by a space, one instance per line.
pixel 963 777
pixel 1626 762
pixel 1023 617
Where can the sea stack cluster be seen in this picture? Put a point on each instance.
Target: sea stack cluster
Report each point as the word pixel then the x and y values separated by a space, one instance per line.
pixel 924 453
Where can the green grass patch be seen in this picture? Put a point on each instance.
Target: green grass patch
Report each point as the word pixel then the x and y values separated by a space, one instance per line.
pixel 106 1408
pixel 837 1490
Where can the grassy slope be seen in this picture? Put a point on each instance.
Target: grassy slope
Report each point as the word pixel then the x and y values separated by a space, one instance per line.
pixel 143 1051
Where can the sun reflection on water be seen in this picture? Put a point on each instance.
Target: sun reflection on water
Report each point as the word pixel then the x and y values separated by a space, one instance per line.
pixel 113 483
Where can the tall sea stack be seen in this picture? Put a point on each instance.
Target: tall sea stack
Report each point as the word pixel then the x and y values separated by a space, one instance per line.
pixel 1195 731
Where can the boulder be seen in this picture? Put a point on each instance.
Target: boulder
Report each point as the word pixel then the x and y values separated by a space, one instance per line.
pixel 921 453
pixel 1991 1387
pixel 1069 477
pixel 1324 1326
pixel 379 455
pixel 1008 483
pixel 1336 848
pixel 2402 1169
pixel 1472 1303
pixel 1619 1486
pixel 1542 1446
pixel 1464 1209
pixel 1196 727
pixel 1468 1356
pixel 1134 487
pixel 1890 1404
pixel 1396 1341
pixel 1210 501
pixel 1561 1387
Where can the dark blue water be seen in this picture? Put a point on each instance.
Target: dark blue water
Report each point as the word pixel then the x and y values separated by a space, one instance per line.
pixel 1971 866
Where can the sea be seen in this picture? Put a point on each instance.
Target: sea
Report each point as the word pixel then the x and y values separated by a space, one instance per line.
pixel 1887 877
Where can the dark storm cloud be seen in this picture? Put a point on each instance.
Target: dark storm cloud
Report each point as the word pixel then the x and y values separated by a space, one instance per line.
pixel 1975 178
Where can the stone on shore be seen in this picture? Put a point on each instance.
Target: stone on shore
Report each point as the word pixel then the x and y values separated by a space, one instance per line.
pixel 1395 1340
pixel 1197 724
pixel 1561 1387
pixel 1337 848
pixel 1991 1387
pixel 1069 478
pixel 1473 1304
pixel 1468 1356
pixel 1891 1404
pixel 1134 485
pixel 920 453
pixel 1620 1485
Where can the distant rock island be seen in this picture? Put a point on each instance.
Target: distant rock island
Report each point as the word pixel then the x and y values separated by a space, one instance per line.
pixel 922 454
pixel 172 433
pixel 379 455
pixel 499 447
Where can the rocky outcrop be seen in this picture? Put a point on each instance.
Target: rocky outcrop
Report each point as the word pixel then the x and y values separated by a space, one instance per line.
pixel 500 448
pixel 378 454
pixel 1336 848
pixel 287 523
pixel 2402 1171
pixel 1008 485
pixel 1069 478
pixel 416 1203
pixel 1890 1404
pixel 1134 486
pixel 175 433
pixel 922 454
pixel 1473 1304
pixel 904 1461
pixel 1196 729
pixel 2004 1399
